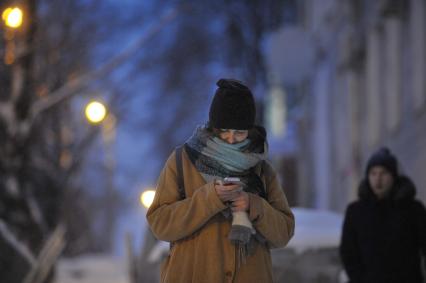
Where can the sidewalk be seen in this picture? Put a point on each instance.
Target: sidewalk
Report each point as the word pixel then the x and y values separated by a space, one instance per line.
pixel 92 269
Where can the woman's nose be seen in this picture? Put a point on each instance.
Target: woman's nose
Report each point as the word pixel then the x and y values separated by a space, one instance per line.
pixel 230 138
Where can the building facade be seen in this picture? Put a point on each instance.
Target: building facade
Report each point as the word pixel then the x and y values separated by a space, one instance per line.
pixel 365 88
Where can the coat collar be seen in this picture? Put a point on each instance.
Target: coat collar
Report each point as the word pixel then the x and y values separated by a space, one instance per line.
pixel 402 191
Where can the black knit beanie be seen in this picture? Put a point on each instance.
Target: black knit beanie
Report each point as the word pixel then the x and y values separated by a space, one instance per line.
pixel 232 107
pixel 383 157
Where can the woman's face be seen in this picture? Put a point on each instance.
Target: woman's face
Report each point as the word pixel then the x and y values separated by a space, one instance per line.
pixel 233 136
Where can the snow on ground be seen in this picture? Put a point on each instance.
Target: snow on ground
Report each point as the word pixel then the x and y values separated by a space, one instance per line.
pixel 92 269
pixel 315 229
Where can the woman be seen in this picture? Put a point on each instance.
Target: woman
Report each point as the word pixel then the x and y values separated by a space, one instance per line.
pixel 222 232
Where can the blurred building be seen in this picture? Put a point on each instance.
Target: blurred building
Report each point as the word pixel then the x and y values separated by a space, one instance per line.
pixel 356 73
pixel 285 73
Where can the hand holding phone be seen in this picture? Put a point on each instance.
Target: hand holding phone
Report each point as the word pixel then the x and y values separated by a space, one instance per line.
pixel 229 188
pixel 232 181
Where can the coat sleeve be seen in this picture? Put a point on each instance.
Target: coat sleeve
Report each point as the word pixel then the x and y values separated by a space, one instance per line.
pixel 349 249
pixel 171 218
pixel 272 218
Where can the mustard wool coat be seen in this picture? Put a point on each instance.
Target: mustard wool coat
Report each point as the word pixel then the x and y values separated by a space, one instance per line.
pixel 202 251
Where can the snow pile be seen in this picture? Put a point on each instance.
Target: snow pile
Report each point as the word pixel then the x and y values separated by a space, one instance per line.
pixel 92 269
pixel 315 229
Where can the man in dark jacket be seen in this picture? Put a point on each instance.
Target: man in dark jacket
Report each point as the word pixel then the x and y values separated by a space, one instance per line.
pixel 384 232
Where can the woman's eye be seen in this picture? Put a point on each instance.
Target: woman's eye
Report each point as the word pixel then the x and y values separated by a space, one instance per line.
pixel 240 132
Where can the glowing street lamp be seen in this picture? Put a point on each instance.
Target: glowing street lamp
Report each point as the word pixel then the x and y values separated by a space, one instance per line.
pixel 95 112
pixel 12 17
pixel 147 197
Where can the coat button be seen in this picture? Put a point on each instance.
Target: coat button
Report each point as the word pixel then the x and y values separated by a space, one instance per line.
pixel 228 273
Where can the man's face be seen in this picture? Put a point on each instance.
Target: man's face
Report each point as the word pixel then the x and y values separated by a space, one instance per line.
pixel 381 181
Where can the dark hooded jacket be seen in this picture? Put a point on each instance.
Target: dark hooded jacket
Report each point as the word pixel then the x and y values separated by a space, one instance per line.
pixel 383 240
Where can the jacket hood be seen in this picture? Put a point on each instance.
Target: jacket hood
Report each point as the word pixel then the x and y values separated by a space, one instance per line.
pixel 403 190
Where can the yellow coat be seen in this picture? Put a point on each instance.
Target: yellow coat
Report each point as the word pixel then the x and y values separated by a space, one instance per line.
pixel 202 252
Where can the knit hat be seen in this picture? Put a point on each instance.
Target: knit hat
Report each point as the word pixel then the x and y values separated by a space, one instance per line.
pixel 232 107
pixel 383 157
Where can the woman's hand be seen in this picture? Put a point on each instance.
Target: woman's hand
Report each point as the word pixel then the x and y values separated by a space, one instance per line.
pixel 227 193
pixel 241 202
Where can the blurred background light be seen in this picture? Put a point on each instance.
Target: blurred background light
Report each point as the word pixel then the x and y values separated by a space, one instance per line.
pixel 147 197
pixel 95 112
pixel 12 17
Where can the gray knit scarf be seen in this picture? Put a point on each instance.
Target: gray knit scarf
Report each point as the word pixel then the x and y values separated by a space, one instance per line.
pixel 216 159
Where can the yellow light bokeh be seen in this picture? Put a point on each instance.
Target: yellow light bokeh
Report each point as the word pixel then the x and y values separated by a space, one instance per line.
pixel 147 197
pixel 95 112
pixel 12 17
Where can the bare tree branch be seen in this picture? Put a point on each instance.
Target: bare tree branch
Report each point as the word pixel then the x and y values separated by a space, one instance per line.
pixel 47 257
pixel 35 211
pixel 16 244
pixel 73 86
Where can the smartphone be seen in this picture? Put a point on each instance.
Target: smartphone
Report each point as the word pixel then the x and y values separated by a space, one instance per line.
pixel 232 181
